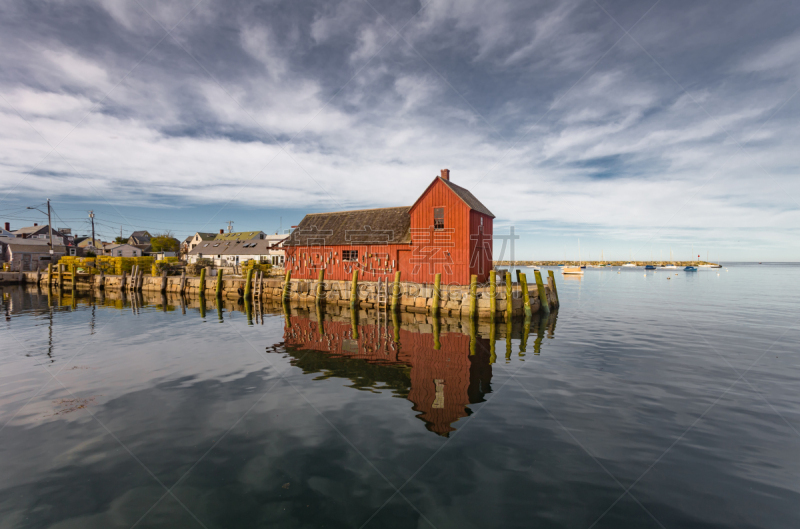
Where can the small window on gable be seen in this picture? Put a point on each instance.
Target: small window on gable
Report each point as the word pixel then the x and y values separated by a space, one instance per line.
pixel 438 218
pixel 349 255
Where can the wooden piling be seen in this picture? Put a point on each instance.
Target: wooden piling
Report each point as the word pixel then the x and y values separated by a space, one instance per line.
pixel 49 275
pixel 286 283
pixel 164 281
pixel 493 293
pixel 121 281
pixel 519 275
pixel 509 296
pixel 320 285
pixel 354 291
pixel 526 300
pixel 437 285
pixel 38 274
pixel 542 294
pixel 473 296
pixel 248 282
pixel 551 280
pixel 218 289
pixel 102 284
pixel 396 292
pixel 60 276
pixel 202 290
pixel 182 284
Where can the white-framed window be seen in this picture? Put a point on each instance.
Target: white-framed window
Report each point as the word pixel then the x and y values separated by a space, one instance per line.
pixel 438 218
pixel 349 255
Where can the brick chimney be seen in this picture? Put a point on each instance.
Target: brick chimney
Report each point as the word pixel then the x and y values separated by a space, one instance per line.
pixel 8 226
pixel 445 174
pixel 221 231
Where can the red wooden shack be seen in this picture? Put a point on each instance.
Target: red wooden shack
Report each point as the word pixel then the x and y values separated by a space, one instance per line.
pixel 447 231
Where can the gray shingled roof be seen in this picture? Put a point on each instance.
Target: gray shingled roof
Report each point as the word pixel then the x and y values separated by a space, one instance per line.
pixel 18 244
pixel 468 198
pixel 364 226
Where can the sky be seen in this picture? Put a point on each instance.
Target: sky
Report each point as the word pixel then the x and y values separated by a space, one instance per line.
pixel 631 128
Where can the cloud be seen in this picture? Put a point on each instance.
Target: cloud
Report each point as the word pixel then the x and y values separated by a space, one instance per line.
pixel 280 105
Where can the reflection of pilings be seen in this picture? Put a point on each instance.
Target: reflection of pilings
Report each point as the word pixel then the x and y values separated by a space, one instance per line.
pixel 540 326
pixel 163 302
pixel 354 312
pixel 551 328
pixel 526 330
pixel 396 324
pixel 183 304
pixel 437 330
pixel 286 311
pixel 202 300
pixel 219 309
pixel 492 340
pixel 248 306
pixel 473 335
pixel 320 316
pixel 508 339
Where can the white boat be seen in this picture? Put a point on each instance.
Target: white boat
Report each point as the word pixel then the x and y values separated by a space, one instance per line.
pixel 574 270
pixel 629 265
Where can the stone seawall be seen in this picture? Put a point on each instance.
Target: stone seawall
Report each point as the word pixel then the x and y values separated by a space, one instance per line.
pixel 454 300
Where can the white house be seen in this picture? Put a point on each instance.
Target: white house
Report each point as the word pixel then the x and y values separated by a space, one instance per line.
pixel 229 253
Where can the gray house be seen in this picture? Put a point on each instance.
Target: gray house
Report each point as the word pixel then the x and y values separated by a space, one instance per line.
pixel 29 254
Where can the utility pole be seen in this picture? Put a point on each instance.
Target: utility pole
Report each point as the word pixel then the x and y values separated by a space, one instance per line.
pixel 230 226
pixel 50 229
pixel 91 216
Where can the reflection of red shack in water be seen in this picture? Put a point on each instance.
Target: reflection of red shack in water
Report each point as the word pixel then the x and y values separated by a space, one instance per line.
pixel 441 383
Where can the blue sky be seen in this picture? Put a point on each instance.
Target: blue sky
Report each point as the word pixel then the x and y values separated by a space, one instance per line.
pixel 632 127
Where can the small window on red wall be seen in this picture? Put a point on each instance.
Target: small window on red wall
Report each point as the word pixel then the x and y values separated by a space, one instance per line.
pixel 438 218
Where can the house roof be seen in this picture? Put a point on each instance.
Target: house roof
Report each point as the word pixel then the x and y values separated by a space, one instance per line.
pixel 18 244
pixel 33 229
pixel 215 247
pixel 462 193
pixel 365 226
pixel 108 247
pixel 238 235
pixel 140 234
pixel 467 197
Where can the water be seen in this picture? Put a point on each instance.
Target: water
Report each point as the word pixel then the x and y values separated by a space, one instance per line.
pixel 644 402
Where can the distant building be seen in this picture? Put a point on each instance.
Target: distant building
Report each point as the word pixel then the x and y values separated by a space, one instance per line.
pixel 230 253
pixel 446 231
pixel 6 232
pixel 43 232
pixel 196 239
pixel 30 254
pixel 139 237
pixel 240 236
pixel 122 250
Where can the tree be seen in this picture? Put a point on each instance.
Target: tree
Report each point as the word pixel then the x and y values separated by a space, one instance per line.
pixel 120 240
pixel 163 243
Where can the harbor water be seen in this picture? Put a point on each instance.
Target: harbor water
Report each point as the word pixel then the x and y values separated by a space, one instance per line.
pixel 649 399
